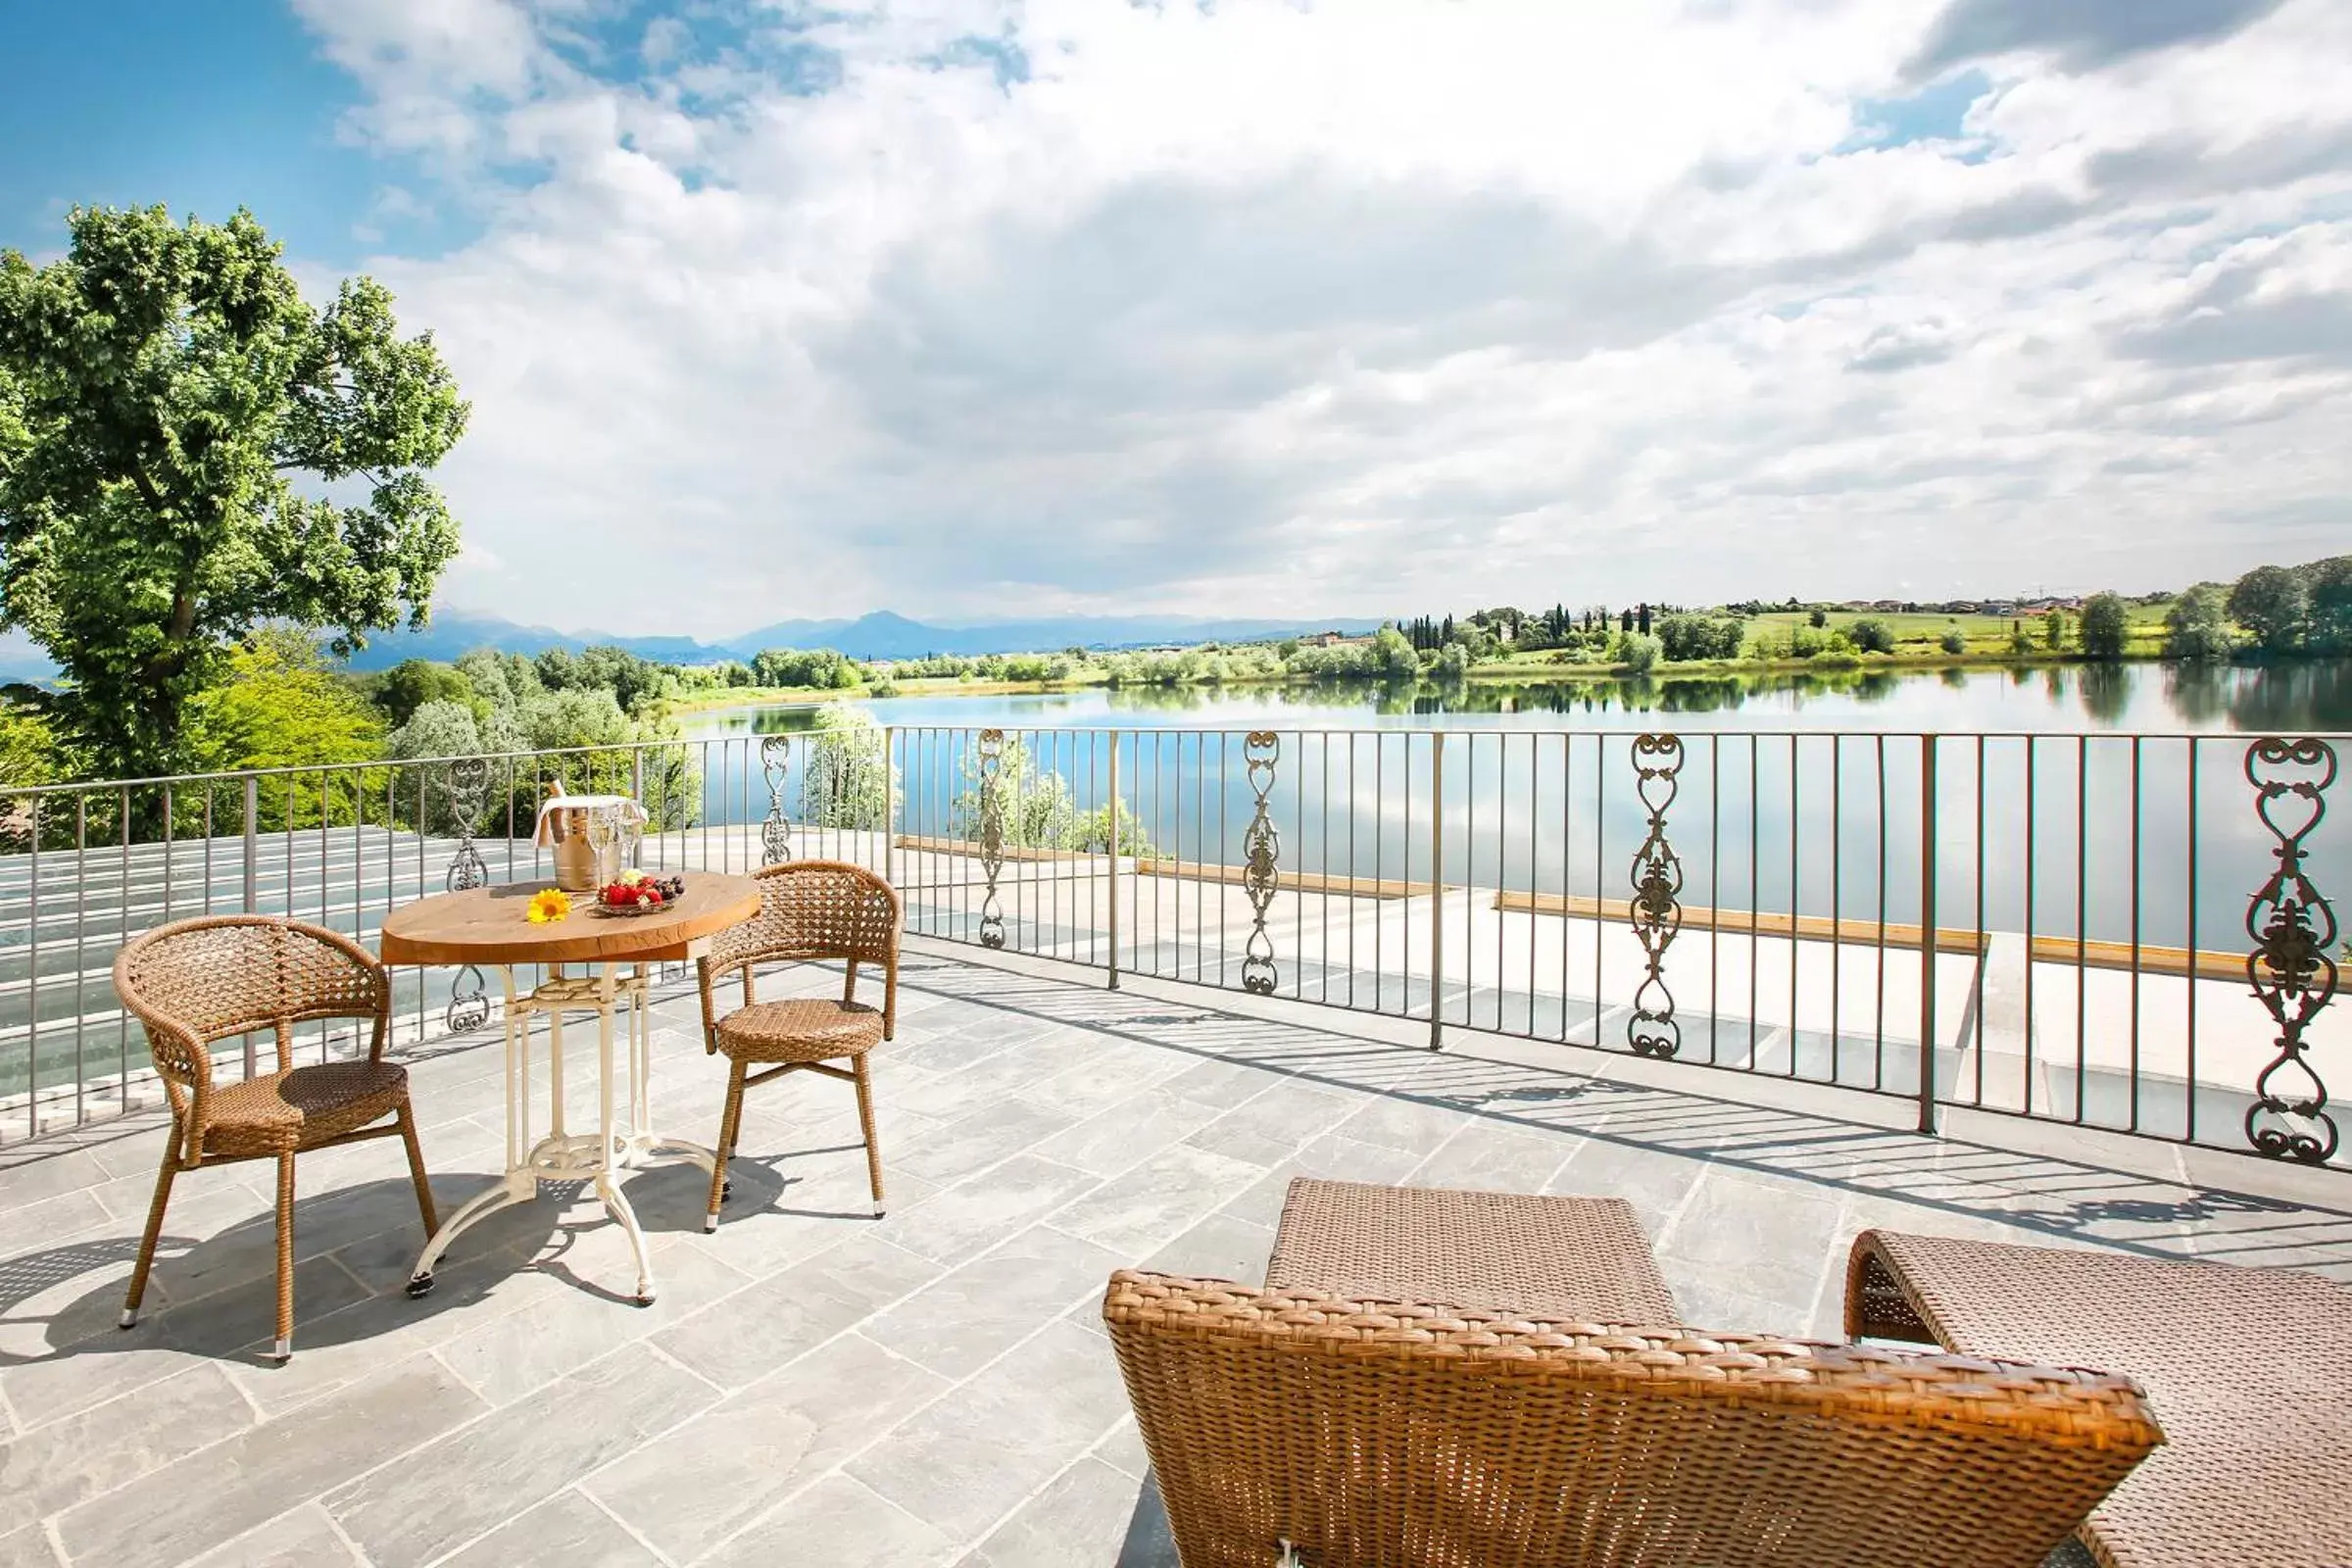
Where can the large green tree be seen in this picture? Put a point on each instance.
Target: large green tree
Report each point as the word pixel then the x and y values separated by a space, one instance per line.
pixel 2273 602
pixel 2329 586
pixel 2106 625
pixel 190 452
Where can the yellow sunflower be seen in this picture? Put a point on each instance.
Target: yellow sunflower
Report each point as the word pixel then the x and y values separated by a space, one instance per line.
pixel 548 905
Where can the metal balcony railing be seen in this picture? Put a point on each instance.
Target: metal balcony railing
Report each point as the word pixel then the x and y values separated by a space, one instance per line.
pixel 2129 932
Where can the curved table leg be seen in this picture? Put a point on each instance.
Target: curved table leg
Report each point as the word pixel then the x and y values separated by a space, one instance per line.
pixel 515 1187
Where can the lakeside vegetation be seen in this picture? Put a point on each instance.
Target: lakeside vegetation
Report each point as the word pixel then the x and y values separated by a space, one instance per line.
pixel 283 700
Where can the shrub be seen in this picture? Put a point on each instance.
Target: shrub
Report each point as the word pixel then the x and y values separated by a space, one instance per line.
pixel 1639 653
pixel 1871 635
pixel 1953 643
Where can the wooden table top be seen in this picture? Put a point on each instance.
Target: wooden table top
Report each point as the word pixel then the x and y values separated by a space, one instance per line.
pixel 488 925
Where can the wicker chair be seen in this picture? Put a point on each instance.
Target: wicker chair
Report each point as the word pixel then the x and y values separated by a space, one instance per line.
pixel 200 981
pixel 809 909
pixel 1341 1418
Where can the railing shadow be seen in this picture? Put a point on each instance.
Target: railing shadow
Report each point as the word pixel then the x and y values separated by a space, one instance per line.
pixel 2077 1200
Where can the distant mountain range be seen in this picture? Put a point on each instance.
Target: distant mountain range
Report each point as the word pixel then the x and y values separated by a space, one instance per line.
pixel 879 635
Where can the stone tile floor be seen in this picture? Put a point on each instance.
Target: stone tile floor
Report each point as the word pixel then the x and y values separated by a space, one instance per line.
pixel 816 1385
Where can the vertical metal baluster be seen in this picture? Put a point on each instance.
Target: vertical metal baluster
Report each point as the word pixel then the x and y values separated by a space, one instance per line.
pixel 1354 910
pixel 1224 900
pixel 2082 923
pixel 81 910
pixel 1715 885
pixel 1322 854
pixel 1534 795
pixel 1159 831
pixel 1601 832
pixel 1112 890
pixel 253 844
pixel 326 812
pixel 1379 868
pixel 1984 954
pixel 391 848
pixel 1175 883
pixel 33 1025
pixel 1755 889
pixel 2032 816
pixel 2136 950
pixel 1878 1036
pixel 1927 933
pixel 121 936
pixel 1470 882
pixel 1796 904
pixel 424 824
pixel 169 847
pixel 208 844
pixel 1437 889
pixel 1838 899
pixel 1567 878
pixel 2192 939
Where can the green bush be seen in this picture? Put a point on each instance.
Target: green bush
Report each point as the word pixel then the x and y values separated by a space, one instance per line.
pixel 1871 635
pixel 1953 643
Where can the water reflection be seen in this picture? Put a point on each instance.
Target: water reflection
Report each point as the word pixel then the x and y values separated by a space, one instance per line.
pixel 2130 698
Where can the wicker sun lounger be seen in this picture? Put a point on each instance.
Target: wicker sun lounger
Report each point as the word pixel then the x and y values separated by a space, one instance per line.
pixel 1389 1425
pixel 2250 1370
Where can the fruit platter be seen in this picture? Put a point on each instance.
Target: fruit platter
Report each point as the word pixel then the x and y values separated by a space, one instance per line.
pixel 636 893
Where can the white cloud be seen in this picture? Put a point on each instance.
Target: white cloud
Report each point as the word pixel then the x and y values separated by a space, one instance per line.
pixel 969 306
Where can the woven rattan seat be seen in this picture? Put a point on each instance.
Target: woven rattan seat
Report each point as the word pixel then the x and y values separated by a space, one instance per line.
pixel 1294 1426
pixel 1568 1259
pixel 805 1029
pixel 292 1109
pixel 2247 1367
pixel 809 909
pixel 198 982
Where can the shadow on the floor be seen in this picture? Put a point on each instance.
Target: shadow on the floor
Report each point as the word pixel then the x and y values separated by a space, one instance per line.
pixel 2061 1198
pixel 217 1297
pixel 1147 1543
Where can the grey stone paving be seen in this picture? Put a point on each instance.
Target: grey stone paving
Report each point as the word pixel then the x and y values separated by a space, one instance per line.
pixel 816 1385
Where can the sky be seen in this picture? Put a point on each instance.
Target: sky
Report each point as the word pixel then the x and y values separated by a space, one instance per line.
pixel 972 309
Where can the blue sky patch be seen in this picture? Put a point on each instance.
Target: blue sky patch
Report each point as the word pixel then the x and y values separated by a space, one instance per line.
pixel 1933 114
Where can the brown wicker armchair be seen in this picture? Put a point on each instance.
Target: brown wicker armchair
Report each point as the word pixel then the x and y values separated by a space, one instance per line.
pixel 809 909
pixel 1288 1426
pixel 200 981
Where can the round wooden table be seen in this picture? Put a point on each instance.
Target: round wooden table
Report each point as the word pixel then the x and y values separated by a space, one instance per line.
pixel 489 927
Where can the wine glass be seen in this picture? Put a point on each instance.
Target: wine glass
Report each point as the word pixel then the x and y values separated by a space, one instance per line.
pixel 603 832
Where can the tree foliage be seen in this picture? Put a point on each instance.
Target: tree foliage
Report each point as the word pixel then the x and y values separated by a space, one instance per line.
pixel 2273 602
pixel 1689 637
pixel 1871 635
pixel 2106 625
pixel 2196 629
pixel 2329 586
pixel 414 682
pixel 163 387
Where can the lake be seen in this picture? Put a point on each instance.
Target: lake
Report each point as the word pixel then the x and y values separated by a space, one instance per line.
pixel 2107 802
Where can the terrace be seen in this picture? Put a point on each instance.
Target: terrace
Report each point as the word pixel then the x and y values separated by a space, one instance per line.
pixel 815 1385
pixel 932 1387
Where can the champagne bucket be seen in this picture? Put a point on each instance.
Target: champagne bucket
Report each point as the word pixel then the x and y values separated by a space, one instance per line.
pixel 564 830
pixel 577 864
